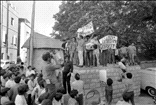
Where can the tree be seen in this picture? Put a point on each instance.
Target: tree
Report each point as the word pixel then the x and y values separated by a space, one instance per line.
pixel 120 18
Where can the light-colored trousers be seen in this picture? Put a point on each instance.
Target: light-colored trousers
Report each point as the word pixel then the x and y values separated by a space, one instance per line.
pixel 80 55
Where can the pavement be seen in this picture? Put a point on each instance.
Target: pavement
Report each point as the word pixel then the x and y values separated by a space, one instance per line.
pixel 143 99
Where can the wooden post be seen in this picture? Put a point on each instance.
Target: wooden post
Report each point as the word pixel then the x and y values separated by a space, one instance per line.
pixel 32 35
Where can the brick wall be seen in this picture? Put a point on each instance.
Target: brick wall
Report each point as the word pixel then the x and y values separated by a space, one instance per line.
pixel 91 78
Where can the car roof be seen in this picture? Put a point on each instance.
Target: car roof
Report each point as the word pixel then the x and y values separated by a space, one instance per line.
pixel 152 68
pixel 5 61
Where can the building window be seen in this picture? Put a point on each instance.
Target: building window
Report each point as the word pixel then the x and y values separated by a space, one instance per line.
pixel 12 21
pixel 12 41
pixel 4 37
pixel 2 55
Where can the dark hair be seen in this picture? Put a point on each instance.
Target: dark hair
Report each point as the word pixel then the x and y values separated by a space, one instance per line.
pixel 61 90
pixel 41 83
pixel 23 75
pixel 29 67
pixel 95 46
pixel 22 63
pixel 33 68
pixel 125 97
pixel 21 90
pixel 43 96
pixel 46 102
pixel 6 75
pixel 109 81
pixel 21 67
pixel 77 76
pixel 81 36
pixel 45 56
pixel 32 75
pixel 26 88
pixel 17 79
pixel 58 96
pixel 66 56
pixel 73 93
pixel 26 81
pixel 129 75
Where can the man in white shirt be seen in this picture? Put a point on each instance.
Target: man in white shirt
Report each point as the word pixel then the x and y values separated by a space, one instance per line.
pixel 10 83
pixel 79 86
pixel 29 71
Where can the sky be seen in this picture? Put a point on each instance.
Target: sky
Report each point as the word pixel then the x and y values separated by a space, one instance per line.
pixel 44 12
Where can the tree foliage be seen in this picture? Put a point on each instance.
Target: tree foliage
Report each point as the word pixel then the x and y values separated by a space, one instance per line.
pixel 120 18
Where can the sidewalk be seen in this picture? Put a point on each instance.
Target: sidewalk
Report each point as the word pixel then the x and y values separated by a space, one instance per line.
pixel 142 100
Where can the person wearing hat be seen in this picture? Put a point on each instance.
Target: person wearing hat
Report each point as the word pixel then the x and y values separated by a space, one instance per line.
pixel 4 95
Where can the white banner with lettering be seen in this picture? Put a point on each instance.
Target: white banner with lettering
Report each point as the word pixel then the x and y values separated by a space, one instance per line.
pixel 108 42
pixel 86 30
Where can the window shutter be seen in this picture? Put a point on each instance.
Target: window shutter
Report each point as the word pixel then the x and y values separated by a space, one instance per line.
pixel 4 36
pixel 14 40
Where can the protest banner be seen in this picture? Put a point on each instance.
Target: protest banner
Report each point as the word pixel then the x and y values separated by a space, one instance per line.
pixel 86 30
pixel 108 42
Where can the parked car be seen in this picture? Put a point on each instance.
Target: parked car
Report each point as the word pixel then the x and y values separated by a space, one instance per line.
pixel 148 80
pixel 5 63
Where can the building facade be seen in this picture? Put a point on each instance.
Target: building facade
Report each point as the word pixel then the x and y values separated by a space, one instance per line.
pixel 24 33
pixel 9 31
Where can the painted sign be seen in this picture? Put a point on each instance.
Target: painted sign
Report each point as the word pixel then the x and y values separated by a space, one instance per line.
pixel 86 30
pixel 108 42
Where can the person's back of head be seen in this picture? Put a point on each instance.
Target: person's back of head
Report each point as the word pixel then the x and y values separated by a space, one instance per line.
pixel 73 93
pixel 58 96
pixel 129 75
pixel 61 90
pixel 125 97
pixel 77 76
pixel 46 56
pixel 42 97
pixel 21 90
pixel 41 83
pixel 109 82
pixel 17 79
pixel 46 102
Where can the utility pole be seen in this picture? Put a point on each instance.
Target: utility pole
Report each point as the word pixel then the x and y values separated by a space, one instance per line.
pixel 32 35
pixel 7 30
pixel 1 6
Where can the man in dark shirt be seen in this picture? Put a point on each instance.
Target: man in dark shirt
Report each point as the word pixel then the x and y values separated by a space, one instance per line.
pixel 68 69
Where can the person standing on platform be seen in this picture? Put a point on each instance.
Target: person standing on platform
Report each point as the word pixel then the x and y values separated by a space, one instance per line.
pixel 68 69
pixel 72 50
pixel 104 57
pixel 132 53
pixel 80 50
pixel 123 51
pixel 96 51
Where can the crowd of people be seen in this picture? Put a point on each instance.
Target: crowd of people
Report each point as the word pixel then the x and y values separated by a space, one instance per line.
pixel 21 85
pixel 86 51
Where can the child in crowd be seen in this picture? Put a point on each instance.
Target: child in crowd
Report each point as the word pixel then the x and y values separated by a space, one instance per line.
pixel 109 91
pixel 125 101
pixel 20 98
pixel 57 99
pixel 38 90
pixel 4 95
pixel 72 99
pixel 79 86
pixel 129 87
pixel 23 78
pixel 10 83
pixel 31 85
